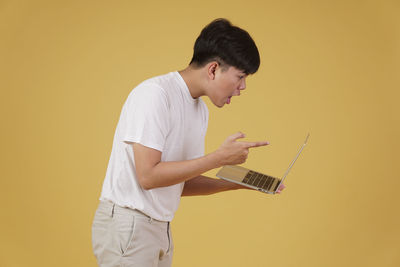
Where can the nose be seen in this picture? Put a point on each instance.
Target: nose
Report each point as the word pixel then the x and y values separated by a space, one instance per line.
pixel 241 87
pixel 242 84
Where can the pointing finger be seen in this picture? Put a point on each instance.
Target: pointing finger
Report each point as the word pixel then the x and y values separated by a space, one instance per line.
pixel 255 144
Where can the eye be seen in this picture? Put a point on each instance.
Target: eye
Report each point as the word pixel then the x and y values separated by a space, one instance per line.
pixel 241 77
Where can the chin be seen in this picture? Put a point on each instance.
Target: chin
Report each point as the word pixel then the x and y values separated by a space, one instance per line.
pixel 219 105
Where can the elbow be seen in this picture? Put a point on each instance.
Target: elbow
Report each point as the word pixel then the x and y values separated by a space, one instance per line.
pixel 145 182
pixel 147 187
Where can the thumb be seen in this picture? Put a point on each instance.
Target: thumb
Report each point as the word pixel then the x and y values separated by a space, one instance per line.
pixel 236 136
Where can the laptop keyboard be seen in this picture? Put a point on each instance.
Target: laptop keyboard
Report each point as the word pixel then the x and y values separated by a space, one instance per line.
pixel 260 180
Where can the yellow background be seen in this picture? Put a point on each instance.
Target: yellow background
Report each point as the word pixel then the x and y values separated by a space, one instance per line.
pixel 330 68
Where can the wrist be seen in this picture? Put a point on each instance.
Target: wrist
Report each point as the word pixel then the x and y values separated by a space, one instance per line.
pixel 236 186
pixel 230 185
pixel 216 159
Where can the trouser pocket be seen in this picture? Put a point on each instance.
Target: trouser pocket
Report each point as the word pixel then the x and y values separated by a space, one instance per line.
pixel 124 225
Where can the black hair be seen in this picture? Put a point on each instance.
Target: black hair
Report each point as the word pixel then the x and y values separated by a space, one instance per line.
pixel 228 45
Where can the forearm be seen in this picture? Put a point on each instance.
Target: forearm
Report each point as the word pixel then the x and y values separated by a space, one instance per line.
pixel 174 172
pixel 152 172
pixel 203 185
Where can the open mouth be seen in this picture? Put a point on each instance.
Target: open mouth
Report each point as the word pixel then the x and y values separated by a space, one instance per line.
pixel 228 100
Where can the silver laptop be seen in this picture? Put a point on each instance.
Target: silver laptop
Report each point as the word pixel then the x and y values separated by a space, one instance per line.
pixel 253 179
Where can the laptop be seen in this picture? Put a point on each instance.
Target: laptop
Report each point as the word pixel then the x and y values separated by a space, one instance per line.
pixel 256 180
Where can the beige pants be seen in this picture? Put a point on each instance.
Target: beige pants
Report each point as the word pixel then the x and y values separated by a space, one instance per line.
pixel 126 237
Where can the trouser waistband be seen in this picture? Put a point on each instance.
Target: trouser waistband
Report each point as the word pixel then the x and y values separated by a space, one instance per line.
pixel 112 208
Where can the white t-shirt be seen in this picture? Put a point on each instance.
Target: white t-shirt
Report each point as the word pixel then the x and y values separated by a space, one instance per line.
pixel 159 113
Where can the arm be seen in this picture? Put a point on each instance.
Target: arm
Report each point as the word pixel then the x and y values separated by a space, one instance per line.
pixel 203 185
pixel 153 173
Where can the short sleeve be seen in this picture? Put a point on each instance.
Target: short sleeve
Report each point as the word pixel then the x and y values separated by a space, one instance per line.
pixel 147 116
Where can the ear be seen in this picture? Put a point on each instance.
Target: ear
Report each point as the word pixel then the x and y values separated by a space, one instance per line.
pixel 211 69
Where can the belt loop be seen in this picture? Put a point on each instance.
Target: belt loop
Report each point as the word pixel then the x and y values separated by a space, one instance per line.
pixel 112 211
pixel 150 220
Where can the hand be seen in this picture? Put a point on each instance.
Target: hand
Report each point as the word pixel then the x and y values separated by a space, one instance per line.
pixel 233 152
pixel 281 187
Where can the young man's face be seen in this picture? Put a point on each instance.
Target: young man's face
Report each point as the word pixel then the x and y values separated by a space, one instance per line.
pixel 227 83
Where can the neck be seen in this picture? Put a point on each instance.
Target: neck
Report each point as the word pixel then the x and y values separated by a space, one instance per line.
pixel 193 80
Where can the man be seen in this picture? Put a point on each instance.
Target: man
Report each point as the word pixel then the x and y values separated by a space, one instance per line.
pixel 158 149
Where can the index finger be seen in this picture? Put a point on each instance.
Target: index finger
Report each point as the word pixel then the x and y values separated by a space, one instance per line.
pixel 255 144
